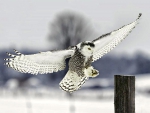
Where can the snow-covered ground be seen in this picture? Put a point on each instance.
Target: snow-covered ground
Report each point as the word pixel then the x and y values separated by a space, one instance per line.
pixel 53 105
pixel 83 101
pixel 65 105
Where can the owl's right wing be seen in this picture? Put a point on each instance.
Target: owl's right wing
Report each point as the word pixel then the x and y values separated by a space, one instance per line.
pixel 107 42
pixel 44 62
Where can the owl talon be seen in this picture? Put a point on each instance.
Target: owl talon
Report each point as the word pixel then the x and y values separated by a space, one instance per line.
pixel 91 72
pixel 94 73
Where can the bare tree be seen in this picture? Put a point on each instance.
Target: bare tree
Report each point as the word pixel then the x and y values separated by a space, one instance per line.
pixel 68 29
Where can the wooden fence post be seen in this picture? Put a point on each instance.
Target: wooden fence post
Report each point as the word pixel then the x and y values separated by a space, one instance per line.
pixel 124 94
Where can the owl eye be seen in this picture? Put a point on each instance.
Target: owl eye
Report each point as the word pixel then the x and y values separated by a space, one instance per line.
pixel 89 48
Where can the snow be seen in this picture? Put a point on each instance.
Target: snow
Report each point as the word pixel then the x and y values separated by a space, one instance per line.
pixel 62 105
pixel 53 105
pixel 143 81
pixel 83 101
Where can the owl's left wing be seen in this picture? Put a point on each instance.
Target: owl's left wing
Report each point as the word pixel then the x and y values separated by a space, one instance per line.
pixel 44 62
pixel 107 42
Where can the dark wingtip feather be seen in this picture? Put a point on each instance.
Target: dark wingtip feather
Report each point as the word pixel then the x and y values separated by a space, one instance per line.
pixel 8 54
pixel 17 52
pixel 7 59
pixel 140 14
pixel 11 55
pixel 6 64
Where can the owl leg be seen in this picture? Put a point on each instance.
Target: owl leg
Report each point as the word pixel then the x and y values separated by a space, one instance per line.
pixel 91 72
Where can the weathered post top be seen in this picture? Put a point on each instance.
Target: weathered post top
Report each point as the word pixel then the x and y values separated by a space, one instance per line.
pixel 124 94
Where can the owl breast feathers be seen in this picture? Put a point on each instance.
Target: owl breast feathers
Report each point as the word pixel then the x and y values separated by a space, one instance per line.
pixel 81 56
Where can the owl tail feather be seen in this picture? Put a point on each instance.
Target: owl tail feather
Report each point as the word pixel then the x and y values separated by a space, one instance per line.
pixel 72 82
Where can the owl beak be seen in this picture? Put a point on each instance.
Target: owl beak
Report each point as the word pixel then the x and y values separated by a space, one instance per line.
pixel 89 48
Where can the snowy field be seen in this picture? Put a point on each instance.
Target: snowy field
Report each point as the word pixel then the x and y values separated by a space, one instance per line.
pixel 65 105
pixel 53 105
pixel 84 101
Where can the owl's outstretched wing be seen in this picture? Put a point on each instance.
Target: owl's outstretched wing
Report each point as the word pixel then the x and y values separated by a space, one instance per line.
pixel 44 62
pixel 107 42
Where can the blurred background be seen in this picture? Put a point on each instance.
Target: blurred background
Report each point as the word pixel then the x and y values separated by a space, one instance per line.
pixel 32 26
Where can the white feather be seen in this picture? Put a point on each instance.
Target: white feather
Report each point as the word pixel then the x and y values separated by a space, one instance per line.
pixel 72 81
pixel 45 62
pixel 107 42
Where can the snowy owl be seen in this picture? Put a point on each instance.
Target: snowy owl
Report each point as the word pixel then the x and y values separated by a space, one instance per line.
pixel 81 56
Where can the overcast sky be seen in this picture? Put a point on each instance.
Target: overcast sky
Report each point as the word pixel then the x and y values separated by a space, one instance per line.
pixel 25 23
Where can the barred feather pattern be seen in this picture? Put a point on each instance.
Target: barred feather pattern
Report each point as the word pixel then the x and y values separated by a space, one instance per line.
pixel 107 42
pixel 72 81
pixel 77 74
pixel 28 64
pixel 76 63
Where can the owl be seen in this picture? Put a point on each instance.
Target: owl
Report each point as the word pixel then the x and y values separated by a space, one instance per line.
pixel 81 56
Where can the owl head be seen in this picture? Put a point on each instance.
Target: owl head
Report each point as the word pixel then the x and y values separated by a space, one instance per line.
pixel 87 48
